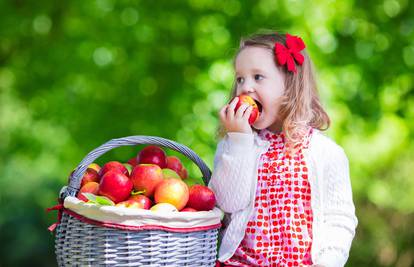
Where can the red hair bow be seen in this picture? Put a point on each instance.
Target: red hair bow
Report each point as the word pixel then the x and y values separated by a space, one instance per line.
pixel 290 53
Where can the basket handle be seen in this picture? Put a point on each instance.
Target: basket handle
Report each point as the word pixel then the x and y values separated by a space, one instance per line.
pixel 76 177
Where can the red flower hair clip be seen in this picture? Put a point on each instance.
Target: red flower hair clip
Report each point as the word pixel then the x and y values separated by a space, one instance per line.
pixel 290 53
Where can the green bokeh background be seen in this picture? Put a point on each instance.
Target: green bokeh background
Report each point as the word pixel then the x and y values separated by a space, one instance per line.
pixel 75 74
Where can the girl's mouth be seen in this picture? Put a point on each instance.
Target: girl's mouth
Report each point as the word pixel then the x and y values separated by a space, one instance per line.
pixel 259 106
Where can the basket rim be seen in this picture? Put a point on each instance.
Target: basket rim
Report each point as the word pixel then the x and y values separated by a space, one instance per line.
pixel 140 218
pixel 140 228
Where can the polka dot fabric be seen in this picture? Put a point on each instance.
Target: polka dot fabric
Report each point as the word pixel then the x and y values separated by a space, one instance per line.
pixel 279 232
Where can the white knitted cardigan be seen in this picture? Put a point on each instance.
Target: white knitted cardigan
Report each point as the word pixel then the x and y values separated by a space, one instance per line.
pixel 234 182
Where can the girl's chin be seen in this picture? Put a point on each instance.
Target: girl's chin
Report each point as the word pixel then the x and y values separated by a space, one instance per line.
pixel 258 124
pixel 261 123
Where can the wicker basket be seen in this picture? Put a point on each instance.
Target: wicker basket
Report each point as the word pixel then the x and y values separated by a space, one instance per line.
pixel 84 242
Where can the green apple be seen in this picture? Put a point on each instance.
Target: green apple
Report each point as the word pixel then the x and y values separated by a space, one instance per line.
pixel 168 174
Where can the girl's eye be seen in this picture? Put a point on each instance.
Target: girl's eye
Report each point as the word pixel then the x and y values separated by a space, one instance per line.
pixel 240 80
pixel 258 77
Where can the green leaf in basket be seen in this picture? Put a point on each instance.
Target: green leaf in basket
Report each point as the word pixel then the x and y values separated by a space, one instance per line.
pixel 91 197
pixel 137 192
pixel 101 200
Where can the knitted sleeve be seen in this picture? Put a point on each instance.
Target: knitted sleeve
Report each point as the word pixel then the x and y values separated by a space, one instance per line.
pixel 231 178
pixel 339 211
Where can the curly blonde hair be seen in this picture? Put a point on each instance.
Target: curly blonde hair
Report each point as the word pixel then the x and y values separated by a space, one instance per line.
pixel 300 106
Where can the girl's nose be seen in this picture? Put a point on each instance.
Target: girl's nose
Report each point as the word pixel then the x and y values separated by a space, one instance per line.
pixel 247 88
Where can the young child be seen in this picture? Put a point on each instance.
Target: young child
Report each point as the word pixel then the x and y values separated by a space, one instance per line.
pixel 284 186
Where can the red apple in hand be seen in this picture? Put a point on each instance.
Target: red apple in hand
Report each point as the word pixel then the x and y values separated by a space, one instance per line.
pixel 146 177
pixel 91 175
pixel 172 191
pixel 113 165
pixel 115 185
pixel 152 155
pixel 91 187
pixel 248 100
pixel 201 198
pixel 137 202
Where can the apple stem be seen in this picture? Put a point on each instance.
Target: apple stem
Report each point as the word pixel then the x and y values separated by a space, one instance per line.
pixel 137 192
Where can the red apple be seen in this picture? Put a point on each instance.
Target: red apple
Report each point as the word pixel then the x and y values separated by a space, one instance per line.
pixel 133 161
pixel 183 173
pixel 94 166
pixel 91 187
pixel 173 191
pixel 146 177
pixel 152 155
pixel 113 165
pixel 137 202
pixel 188 209
pixel 201 198
pixel 90 175
pixel 174 164
pixel 115 185
pixel 248 100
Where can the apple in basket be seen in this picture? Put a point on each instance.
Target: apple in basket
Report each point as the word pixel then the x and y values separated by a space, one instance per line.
pixel 188 209
pixel 245 99
pixel 132 161
pixel 115 185
pixel 113 165
pixel 94 166
pixel 168 174
pixel 91 187
pixel 137 202
pixel 183 173
pixel 146 177
pixel 175 164
pixel 173 191
pixel 90 175
pixel 201 198
pixel 152 155
pixel 163 207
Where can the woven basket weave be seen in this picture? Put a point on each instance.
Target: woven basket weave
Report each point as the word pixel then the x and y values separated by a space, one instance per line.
pixel 81 242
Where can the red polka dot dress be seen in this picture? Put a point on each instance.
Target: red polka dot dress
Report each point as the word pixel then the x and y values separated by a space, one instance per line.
pixel 279 233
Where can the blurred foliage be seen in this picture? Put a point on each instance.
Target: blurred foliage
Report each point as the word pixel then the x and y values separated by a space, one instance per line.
pixel 76 74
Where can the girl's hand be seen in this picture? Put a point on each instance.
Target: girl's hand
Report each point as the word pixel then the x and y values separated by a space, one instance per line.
pixel 236 121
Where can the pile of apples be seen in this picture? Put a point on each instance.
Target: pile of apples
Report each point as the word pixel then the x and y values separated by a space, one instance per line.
pixel 151 180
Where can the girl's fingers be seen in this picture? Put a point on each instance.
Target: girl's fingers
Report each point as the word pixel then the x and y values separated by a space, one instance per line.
pixel 247 113
pixel 222 111
pixel 241 110
pixel 231 107
pixel 234 101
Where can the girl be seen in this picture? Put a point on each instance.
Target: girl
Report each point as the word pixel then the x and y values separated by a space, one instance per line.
pixel 284 186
